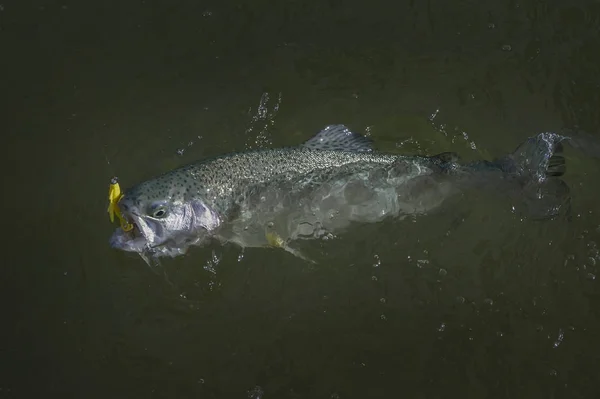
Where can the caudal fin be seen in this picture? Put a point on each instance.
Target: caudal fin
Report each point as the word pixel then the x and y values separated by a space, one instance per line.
pixel 539 157
pixel 537 163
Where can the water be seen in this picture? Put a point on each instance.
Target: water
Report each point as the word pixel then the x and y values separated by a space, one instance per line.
pixel 472 301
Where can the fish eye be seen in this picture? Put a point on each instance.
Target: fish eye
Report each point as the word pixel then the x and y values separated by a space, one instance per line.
pixel 159 213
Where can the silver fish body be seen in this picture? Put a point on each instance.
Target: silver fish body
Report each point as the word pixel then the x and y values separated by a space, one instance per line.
pixel 322 186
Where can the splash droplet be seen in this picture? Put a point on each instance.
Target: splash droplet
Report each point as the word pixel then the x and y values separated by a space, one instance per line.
pixel 255 393
pixel 377 261
pixel 591 276
pixel 559 338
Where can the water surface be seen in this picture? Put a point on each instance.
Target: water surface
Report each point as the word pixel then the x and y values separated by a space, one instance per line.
pixel 472 301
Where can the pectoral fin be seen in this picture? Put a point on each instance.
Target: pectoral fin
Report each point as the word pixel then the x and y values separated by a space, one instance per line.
pixel 274 240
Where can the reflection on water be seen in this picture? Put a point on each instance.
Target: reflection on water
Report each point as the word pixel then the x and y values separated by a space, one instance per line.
pixel 473 300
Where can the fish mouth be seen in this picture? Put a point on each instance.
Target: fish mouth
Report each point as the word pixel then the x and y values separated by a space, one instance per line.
pixel 132 240
pixel 142 237
pixel 145 238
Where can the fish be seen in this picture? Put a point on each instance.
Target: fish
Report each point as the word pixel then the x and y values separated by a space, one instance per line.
pixel 275 196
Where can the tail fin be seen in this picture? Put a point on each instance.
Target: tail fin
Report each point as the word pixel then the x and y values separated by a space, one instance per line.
pixel 539 157
pixel 537 163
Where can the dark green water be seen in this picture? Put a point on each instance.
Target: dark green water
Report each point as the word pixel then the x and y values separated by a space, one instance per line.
pixel 471 302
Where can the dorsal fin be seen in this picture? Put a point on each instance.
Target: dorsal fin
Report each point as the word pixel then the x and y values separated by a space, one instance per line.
pixel 339 138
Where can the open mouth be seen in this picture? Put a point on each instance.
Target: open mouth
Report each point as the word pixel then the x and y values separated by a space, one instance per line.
pixel 129 236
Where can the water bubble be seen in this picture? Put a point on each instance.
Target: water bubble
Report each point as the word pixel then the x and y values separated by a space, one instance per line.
pixel 443 272
pixel 201 381
pixel 335 395
pixel 506 47
pixel 553 373
pixel 383 317
pixel 460 299
pixel 180 151
pixel 499 333
pixel 374 278
pixel 491 25
pixel 207 13
pixel 442 327
pixel 591 276
pixel 382 300
pixel 488 301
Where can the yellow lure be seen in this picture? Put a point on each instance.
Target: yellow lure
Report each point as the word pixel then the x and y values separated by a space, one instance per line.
pixel 114 196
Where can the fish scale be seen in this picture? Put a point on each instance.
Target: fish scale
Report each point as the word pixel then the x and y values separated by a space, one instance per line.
pixel 220 179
